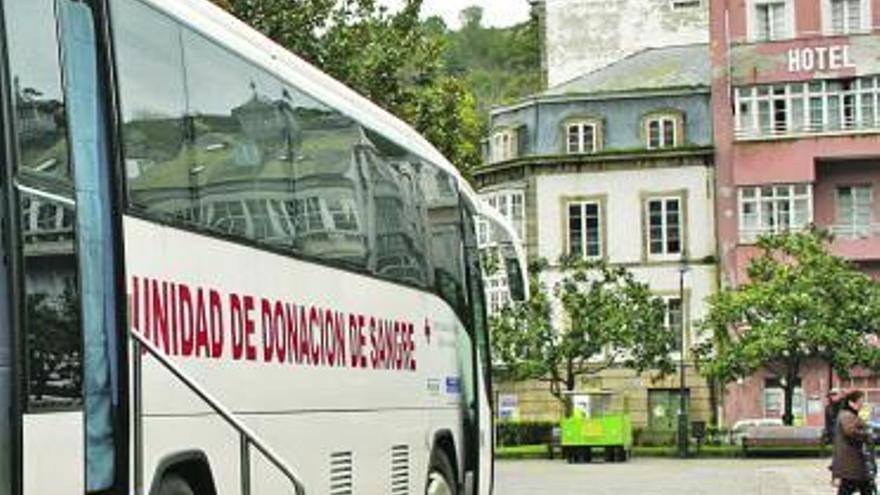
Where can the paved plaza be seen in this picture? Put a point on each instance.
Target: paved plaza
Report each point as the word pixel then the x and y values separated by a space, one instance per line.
pixel 666 477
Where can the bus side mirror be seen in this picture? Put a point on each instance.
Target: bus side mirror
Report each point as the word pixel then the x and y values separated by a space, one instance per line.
pixel 515 279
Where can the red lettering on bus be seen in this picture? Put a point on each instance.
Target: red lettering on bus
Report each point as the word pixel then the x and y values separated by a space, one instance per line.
pixel 160 316
pixel 236 327
pixel 328 354
pixel 412 348
pixel 292 335
pixel 187 337
pixel 175 339
pixel 135 304
pixel 250 348
pixel 305 354
pixel 278 323
pixel 217 331
pixel 362 341
pixel 315 344
pixel 201 314
pixel 374 351
pixel 266 330
pixel 148 330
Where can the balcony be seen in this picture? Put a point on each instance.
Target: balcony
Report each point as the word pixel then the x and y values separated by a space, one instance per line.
pixel 856 242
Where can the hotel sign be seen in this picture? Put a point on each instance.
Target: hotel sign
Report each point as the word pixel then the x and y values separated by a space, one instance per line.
pixel 820 58
pixel 805 59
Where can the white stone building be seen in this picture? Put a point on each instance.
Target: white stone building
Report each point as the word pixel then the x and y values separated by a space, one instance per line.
pixel 583 35
pixel 618 165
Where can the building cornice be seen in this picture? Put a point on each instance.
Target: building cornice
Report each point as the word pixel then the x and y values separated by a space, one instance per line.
pixel 522 169
pixel 602 96
pixel 609 159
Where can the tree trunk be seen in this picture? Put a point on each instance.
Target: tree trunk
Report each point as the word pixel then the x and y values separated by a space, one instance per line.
pixel 789 387
pixel 788 415
pixel 569 388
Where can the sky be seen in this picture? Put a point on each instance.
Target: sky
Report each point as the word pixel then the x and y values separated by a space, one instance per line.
pixel 496 13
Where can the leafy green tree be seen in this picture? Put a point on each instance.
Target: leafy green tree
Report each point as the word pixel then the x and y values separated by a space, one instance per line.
pixel 605 318
pixel 501 65
pixel 394 59
pixel 800 303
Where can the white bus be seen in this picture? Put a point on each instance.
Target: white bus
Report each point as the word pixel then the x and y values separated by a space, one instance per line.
pixel 224 272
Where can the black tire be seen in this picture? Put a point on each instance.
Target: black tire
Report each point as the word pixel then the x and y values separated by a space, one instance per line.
pixel 441 467
pixel 610 454
pixel 174 484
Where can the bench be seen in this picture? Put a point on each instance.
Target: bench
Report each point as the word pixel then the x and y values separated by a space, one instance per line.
pixel 782 437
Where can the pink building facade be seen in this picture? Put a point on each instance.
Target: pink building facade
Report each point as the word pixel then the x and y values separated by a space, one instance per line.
pixel 796 104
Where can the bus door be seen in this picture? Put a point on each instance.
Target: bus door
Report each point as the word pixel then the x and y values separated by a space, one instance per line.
pixel 480 437
pixel 60 276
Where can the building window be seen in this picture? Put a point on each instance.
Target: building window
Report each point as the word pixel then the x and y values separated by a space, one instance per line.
pixel 662 132
pixel 504 146
pixel 512 206
pixel 801 108
pixel 497 293
pixel 673 319
pixel 770 20
pixel 664 226
pixel 855 206
pixel 774 209
pixel 582 137
pixel 686 4
pixel 847 16
pixel 585 229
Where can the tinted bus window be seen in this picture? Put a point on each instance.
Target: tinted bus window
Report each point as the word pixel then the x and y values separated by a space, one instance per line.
pixel 40 119
pixel 153 99
pixel 241 169
pixel 329 207
pixel 53 340
pixel 400 216
pixel 445 230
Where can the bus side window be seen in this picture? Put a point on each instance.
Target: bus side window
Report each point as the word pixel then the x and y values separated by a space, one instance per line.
pixel 445 229
pixel 329 204
pixel 153 100
pixel 240 172
pixel 53 335
pixel 400 242
pixel 41 122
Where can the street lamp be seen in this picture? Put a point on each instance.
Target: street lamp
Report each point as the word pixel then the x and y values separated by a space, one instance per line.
pixel 682 402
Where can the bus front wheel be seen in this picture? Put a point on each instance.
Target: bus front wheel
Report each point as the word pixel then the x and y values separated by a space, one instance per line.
pixel 173 484
pixel 441 480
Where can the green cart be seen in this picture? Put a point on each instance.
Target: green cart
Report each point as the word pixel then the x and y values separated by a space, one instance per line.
pixel 594 425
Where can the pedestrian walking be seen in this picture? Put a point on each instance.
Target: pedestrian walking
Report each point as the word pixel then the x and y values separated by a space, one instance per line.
pixel 832 407
pixel 853 464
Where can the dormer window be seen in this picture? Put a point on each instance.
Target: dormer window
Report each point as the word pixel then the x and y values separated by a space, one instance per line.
pixel 663 131
pixel 504 145
pixel 582 137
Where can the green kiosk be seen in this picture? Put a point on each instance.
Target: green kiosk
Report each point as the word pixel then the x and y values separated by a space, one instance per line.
pixel 594 424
